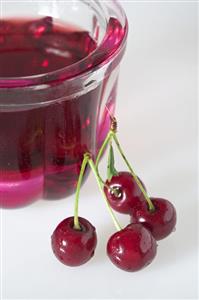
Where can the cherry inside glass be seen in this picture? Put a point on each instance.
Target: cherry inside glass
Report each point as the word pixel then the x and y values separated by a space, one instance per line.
pixel 57 88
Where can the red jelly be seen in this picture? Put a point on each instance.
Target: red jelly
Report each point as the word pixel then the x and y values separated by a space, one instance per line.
pixel 52 104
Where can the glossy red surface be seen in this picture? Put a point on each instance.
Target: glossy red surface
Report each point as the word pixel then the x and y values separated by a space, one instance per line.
pixel 129 194
pixel 132 248
pixel 161 222
pixel 74 247
pixel 40 46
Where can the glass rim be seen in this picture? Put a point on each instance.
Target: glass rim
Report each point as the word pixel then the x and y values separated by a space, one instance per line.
pixel 71 71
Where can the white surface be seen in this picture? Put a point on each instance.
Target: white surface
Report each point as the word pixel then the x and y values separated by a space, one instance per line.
pixel 157 126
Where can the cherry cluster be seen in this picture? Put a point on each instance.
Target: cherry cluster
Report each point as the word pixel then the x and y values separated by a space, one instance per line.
pixel 131 248
pixel 135 246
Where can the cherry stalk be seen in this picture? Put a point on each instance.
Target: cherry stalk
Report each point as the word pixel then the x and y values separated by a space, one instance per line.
pixel 112 135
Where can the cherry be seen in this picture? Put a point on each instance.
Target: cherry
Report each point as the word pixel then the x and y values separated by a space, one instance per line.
pixel 40 27
pixel 123 192
pixel 160 222
pixel 71 246
pixel 132 248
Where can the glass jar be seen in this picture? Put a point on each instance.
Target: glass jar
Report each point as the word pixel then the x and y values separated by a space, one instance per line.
pixel 49 120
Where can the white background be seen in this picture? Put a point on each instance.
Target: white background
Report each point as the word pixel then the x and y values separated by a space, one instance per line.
pixel 157 114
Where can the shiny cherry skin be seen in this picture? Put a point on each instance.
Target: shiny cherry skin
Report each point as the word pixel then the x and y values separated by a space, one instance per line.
pixel 161 222
pixel 71 246
pixel 122 192
pixel 132 248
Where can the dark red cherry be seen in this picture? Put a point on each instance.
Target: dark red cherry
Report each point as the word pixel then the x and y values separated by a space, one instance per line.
pixel 161 222
pixel 132 248
pixel 71 246
pixel 122 192
pixel 40 27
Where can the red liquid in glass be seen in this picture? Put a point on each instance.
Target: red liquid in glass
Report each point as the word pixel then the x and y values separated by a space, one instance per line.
pixel 41 148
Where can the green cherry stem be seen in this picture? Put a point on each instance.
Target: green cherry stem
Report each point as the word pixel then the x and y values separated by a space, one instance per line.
pixel 101 151
pixel 150 204
pixel 103 183
pixel 95 172
pixel 81 174
pixel 112 131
